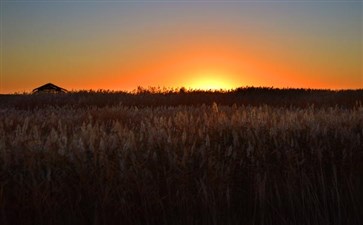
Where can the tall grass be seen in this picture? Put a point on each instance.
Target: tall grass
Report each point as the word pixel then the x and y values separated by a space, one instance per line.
pixel 206 164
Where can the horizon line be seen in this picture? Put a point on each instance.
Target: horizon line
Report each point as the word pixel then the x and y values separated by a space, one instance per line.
pixel 159 89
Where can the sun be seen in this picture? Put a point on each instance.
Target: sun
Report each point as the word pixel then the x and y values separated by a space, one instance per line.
pixel 211 81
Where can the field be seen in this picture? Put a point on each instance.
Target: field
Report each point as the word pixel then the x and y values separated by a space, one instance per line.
pixel 252 156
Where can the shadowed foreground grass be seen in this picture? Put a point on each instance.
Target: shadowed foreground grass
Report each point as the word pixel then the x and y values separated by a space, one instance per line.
pixel 197 164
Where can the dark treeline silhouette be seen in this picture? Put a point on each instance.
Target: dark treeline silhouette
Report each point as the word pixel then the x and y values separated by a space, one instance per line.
pixel 141 97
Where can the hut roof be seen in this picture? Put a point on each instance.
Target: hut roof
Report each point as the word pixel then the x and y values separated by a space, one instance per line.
pixel 49 88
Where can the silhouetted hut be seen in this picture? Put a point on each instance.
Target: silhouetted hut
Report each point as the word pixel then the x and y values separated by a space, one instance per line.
pixel 49 88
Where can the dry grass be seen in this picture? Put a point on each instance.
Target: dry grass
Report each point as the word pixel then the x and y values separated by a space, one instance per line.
pixel 206 164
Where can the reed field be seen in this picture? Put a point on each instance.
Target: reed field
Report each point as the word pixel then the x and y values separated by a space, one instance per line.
pixel 250 157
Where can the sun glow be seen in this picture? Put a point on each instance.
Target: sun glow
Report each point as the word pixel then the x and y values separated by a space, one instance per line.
pixel 211 81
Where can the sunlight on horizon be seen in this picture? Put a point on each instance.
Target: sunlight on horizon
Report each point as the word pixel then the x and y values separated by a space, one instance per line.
pixel 212 81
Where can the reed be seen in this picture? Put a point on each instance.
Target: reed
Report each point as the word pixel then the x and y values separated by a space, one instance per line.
pixel 203 164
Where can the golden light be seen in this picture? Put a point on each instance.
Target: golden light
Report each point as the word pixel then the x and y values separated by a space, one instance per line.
pixel 211 81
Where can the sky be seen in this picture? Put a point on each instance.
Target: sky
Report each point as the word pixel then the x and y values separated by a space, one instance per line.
pixel 120 45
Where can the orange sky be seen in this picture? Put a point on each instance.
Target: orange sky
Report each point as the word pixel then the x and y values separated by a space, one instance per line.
pixel 120 46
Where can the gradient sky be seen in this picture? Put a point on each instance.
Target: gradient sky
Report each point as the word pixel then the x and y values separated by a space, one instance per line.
pixel 120 45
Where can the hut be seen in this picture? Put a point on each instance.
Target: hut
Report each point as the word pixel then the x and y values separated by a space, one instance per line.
pixel 49 88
